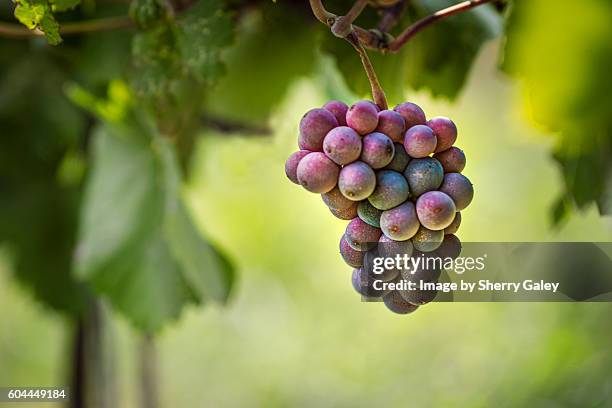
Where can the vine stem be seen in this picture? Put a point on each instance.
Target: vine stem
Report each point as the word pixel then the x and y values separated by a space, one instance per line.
pixel 88 26
pixel 343 25
pixel 377 92
pixel 419 25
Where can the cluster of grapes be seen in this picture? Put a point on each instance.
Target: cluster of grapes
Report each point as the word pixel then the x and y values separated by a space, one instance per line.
pixel 395 175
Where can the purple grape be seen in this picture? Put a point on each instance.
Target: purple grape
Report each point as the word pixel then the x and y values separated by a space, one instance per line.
pixel 345 213
pixel 445 130
pixel 317 173
pixel 397 304
pixel 292 163
pixel 361 236
pixel 425 271
pixel 334 199
pixel 452 160
pixel 400 223
pixel 378 150
pixel 427 240
pixel 450 247
pixel 459 188
pixel 342 145
pixel 419 141
pixel 364 284
pixel 413 114
pixel 368 213
pixel 423 175
pixel 391 190
pixel 315 124
pixel 400 159
pixel 357 181
pixel 418 297
pixel 454 226
pixel 391 124
pixel 363 117
pixel 351 257
pixel 338 109
pixel 389 248
pixel 435 210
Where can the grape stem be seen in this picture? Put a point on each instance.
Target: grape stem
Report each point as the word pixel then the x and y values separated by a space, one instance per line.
pixel 419 25
pixel 378 94
pixel 343 25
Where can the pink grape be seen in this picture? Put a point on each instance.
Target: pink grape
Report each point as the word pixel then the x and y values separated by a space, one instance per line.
pixel 378 150
pixel 360 235
pixel 357 181
pixel 292 163
pixel 345 213
pixel 315 124
pixel 338 109
pixel 412 113
pixel 445 130
pixel 459 188
pixel 391 124
pixel 420 141
pixel 452 160
pixel 435 210
pixel 400 223
pixel 317 173
pixel 351 257
pixel 363 117
pixel 335 200
pixel 342 145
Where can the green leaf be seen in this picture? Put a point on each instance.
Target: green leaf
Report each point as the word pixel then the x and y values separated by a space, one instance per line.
pixel 137 244
pixel 564 62
pixel 437 59
pixel 36 14
pixel 274 47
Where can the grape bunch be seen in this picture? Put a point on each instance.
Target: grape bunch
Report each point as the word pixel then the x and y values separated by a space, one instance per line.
pixel 396 177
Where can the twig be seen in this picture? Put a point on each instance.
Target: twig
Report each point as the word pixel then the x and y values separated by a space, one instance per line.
pixel 413 29
pixel 342 27
pixel 103 24
pixel 377 92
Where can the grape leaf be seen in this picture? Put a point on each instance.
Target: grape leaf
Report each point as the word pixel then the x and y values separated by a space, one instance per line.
pixel 137 243
pixel 274 47
pixel 37 14
pixel 564 63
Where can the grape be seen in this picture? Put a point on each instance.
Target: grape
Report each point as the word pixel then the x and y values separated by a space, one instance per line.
pixel 292 163
pixel 454 226
pixel 361 236
pixel 423 175
pixel 363 117
pixel 377 150
pixel 363 284
pixel 334 199
pixel 317 173
pixel 452 160
pixel 400 159
pixel 389 248
pixel 368 213
pixel 459 188
pixel 435 210
pixel 413 114
pixel 346 213
pixel 445 130
pixel 391 124
pixel 391 190
pixel 342 145
pixel 315 124
pixel 357 181
pixel 450 248
pixel 400 223
pixel 397 304
pixel 351 257
pixel 427 240
pixel 419 141
pixel 338 109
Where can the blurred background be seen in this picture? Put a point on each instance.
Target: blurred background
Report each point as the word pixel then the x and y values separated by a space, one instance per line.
pixel 293 332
